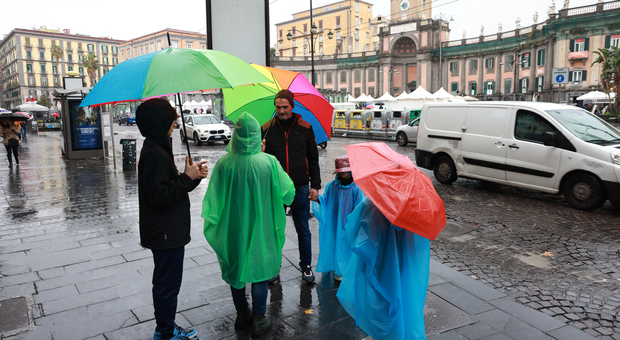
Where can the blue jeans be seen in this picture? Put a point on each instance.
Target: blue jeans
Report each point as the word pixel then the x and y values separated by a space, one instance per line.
pixel 167 277
pixel 259 297
pixel 300 209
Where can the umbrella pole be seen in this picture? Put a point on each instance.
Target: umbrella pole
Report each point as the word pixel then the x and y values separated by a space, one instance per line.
pixel 184 130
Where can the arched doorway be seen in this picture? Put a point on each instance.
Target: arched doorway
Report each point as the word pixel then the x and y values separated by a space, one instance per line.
pixel 404 45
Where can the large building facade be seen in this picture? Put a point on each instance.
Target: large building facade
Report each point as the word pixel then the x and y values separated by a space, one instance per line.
pixel 349 21
pixel 158 41
pixel 28 68
pixel 415 50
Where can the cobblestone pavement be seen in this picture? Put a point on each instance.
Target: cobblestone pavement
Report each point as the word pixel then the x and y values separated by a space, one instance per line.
pixel 531 246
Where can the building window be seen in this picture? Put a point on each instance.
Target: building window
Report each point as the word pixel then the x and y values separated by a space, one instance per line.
pixel 70 58
pixel 357 7
pixel 371 91
pixel 80 58
pixel 42 55
pixel 305 28
pixel 368 9
pixel 203 46
pixel 489 65
pixel 105 60
pixel 577 75
pixel 540 81
pixel 454 68
pixel 159 48
pixel 91 48
pixel 357 22
pixel 142 50
pixel 343 77
pixel 473 66
pixel 320 25
pixel 580 45
pixel 523 85
pixel 280 34
pixel 70 68
pixel 357 92
pixel 454 88
pixel 615 40
pixel 472 88
pixel 79 46
pixel 31 81
pixel 114 61
pixel 357 76
pixel 104 48
pixel 81 69
pixel 337 23
pixel 357 46
pixel 40 42
pixel 123 55
pixel 28 54
pixel 56 81
pixel 29 68
pixel 371 74
pixel 68 45
pixel 175 44
pixel 541 57
pixel 328 77
pixel 525 60
pixel 55 69
pixel 508 63
pixel 490 87
pixel 189 45
pixel 44 81
pixel 43 68
pixel 27 43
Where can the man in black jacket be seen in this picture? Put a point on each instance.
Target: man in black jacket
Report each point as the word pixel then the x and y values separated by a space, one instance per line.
pixel 291 140
pixel 164 211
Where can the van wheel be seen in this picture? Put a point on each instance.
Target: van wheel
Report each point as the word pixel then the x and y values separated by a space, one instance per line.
pixel 444 170
pixel 401 139
pixel 584 192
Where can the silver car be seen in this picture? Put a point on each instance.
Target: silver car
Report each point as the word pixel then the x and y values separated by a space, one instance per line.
pixel 204 129
pixel 407 133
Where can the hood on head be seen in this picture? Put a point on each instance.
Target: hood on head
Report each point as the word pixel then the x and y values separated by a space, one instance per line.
pixel 246 139
pixel 154 117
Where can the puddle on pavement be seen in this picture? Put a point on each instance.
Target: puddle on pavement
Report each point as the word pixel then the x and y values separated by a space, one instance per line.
pixel 536 260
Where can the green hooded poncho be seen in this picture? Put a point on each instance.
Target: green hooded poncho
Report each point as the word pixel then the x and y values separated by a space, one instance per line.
pixel 243 208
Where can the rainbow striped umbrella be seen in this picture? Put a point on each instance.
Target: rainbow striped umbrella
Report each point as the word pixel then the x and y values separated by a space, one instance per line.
pixel 168 72
pixel 258 100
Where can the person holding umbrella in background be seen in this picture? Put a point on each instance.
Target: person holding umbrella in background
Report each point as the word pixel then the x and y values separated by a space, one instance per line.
pixel 10 132
pixel 291 140
pixel 384 286
pixel 164 211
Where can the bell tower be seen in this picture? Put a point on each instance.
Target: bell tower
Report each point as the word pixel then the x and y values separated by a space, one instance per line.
pixel 409 9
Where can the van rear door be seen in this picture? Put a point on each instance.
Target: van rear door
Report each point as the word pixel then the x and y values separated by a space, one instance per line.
pixel 528 161
pixel 483 148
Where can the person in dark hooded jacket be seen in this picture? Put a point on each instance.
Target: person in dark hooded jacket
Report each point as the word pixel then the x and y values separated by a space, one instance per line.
pixel 164 211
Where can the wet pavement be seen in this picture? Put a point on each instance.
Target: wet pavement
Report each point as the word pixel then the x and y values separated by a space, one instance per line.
pixel 69 248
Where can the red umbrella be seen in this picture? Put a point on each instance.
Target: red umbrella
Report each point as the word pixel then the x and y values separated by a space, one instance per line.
pixel 403 193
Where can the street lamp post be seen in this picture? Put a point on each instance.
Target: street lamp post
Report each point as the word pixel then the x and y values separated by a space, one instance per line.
pixel 313 30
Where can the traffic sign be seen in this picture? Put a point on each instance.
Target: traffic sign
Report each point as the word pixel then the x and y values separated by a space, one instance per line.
pixel 559 75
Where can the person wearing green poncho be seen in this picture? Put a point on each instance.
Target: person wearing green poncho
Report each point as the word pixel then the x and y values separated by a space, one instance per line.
pixel 245 222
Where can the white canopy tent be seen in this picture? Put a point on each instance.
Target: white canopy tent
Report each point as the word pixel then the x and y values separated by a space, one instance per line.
pixel 350 98
pixel 442 95
pixel 420 93
pixel 386 97
pixel 597 97
pixel 204 104
pixel 32 107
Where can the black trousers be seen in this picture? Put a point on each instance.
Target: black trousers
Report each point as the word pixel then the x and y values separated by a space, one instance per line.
pixel 12 149
pixel 167 277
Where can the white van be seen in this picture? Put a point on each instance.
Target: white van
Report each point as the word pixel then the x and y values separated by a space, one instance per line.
pixel 552 148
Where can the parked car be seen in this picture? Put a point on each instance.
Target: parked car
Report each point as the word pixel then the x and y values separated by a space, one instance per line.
pixel 127 118
pixel 557 149
pixel 407 133
pixel 179 118
pixel 204 129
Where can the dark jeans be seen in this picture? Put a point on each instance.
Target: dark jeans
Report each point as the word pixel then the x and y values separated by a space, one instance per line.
pixel 300 209
pixel 259 297
pixel 167 277
pixel 12 149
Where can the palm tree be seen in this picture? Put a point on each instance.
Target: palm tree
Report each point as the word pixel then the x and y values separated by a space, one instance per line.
pixel 609 59
pixel 91 64
pixel 57 52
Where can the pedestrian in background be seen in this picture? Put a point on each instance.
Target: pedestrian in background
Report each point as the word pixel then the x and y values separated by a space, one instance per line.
pixel 10 133
pixel 245 222
pixel 341 196
pixel 164 211
pixel 292 141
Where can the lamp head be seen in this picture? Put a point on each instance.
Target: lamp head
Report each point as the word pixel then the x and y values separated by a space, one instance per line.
pixel 313 29
pixel 330 35
pixel 289 36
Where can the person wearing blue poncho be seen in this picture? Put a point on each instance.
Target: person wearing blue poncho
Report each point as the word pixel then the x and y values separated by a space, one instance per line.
pixel 384 285
pixel 339 199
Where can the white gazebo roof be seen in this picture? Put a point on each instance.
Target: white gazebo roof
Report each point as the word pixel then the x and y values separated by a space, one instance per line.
pixel 30 106
pixel 385 97
pixel 420 93
pixel 403 95
pixel 596 95
pixel 442 94
pixel 350 98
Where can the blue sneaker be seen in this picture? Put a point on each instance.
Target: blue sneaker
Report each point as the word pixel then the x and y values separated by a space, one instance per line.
pixel 179 333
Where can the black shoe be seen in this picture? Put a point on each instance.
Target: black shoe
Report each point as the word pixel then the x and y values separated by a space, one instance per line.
pixel 307 274
pixel 244 318
pixel 260 325
pixel 274 280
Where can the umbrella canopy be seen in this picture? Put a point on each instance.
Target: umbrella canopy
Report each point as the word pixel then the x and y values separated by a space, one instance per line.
pixel 258 100
pixel 596 96
pixel 32 107
pixel 403 193
pixel 171 71
pixel 4 110
pixel 20 116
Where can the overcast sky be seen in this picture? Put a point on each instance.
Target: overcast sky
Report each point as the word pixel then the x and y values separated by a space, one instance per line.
pixel 129 19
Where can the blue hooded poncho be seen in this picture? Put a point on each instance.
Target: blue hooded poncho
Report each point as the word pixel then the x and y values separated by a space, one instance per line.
pixel 243 208
pixel 336 203
pixel 384 286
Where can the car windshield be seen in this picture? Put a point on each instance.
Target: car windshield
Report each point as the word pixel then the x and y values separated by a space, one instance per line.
pixel 586 126
pixel 203 120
